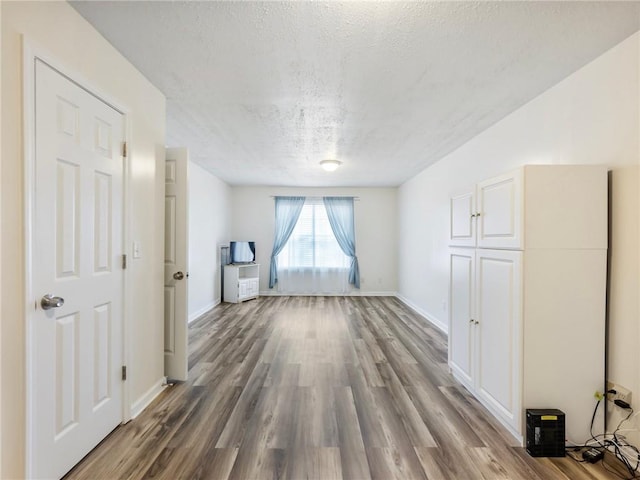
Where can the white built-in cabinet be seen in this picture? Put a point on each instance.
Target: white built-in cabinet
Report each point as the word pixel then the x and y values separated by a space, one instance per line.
pixel 527 292
pixel 241 282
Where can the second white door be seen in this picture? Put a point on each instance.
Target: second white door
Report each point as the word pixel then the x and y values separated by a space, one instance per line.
pixel 176 352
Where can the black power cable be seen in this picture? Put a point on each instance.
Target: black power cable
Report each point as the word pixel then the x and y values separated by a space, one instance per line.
pixel 613 446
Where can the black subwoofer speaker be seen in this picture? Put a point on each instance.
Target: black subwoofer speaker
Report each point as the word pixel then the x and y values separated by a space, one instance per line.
pixel 545 432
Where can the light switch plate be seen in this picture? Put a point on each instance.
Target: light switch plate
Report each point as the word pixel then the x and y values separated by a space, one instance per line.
pixel 136 250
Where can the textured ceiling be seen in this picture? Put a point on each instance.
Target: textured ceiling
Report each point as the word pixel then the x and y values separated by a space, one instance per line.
pixel 261 92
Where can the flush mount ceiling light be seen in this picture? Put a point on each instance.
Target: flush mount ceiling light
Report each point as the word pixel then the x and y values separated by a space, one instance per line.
pixel 330 164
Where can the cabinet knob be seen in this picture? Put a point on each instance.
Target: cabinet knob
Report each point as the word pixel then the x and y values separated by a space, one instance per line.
pixel 476 322
pixel 471 320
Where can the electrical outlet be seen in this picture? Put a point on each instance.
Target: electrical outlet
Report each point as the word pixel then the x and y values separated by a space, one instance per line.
pixel 622 393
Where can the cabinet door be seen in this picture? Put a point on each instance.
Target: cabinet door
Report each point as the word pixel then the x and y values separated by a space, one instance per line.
pixel 231 284
pixel 499 338
pixel 242 289
pixel 461 323
pixel 462 231
pixel 255 287
pixel 500 211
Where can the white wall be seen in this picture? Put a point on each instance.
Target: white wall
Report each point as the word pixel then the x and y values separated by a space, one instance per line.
pixel 375 221
pixel 209 225
pixel 591 118
pixel 64 35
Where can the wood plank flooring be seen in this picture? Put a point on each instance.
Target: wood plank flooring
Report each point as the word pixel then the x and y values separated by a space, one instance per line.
pixel 318 388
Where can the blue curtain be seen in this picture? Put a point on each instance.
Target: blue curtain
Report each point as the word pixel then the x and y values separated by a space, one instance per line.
pixel 340 213
pixel 287 213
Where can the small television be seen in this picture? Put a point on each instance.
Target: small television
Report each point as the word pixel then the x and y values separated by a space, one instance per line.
pixel 242 252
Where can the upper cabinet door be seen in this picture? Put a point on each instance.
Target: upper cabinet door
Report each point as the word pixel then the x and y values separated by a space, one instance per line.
pixel 499 212
pixel 462 232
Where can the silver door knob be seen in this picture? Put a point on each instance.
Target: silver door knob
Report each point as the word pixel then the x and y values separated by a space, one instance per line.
pixel 49 301
pixel 178 275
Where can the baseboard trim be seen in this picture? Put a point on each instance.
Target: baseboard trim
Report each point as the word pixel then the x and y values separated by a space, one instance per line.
pixel 146 399
pixel 203 310
pixel 358 293
pixel 430 318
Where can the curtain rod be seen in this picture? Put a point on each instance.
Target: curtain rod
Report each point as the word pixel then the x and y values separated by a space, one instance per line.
pixel 316 197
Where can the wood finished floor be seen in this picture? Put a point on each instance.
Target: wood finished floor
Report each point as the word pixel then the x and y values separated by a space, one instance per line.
pixel 318 388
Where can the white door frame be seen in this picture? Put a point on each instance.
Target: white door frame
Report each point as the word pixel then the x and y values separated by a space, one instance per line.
pixel 30 54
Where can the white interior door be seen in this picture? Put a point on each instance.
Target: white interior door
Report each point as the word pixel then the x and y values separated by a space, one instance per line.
pixel 75 394
pixel 176 352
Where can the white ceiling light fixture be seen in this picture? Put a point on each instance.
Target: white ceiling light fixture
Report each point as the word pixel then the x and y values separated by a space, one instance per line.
pixel 330 165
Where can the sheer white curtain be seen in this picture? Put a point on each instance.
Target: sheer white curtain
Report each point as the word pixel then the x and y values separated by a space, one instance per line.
pixel 312 261
pixel 340 215
pixel 287 212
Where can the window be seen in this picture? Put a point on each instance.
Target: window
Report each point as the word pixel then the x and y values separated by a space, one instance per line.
pixel 312 243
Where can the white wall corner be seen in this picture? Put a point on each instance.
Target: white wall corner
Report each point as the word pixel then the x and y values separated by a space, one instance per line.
pixel 272 292
pixel 145 400
pixel 429 317
pixel 195 315
pixel 358 293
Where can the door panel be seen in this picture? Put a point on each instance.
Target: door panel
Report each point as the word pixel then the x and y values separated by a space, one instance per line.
pixel 103 235
pixel 75 389
pixel 67 234
pixel 169 319
pixel 102 365
pixel 66 373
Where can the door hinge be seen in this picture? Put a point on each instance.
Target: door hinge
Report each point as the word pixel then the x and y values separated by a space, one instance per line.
pixel 124 373
pixel 124 261
pixel 124 149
